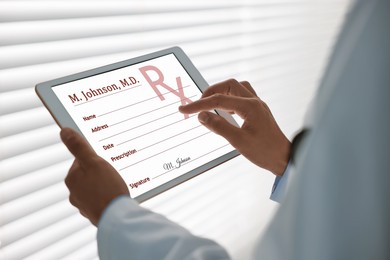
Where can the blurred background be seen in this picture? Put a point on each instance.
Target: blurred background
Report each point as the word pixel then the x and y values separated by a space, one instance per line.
pixel 280 46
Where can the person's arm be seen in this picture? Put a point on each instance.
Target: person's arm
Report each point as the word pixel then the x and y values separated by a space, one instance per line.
pixel 337 206
pixel 128 231
pixel 125 230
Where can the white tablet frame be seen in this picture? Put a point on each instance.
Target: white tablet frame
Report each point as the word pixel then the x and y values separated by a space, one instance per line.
pixel 63 119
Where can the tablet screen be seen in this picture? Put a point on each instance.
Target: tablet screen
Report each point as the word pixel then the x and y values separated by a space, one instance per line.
pixel 130 117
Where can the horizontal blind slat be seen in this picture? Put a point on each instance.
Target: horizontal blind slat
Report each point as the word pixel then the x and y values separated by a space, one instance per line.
pixel 272 65
pixel 86 252
pixel 26 120
pixel 34 222
pixel 70 243
pixel 42 31
pixel 34 202
pixel 28 11
pixel 33 181
pixel 22 55
pixel 32 75
pixel 32 161
pixel 29 141
pixel 28 54
pixel 17 100
pixel 78 48
pixel 41 239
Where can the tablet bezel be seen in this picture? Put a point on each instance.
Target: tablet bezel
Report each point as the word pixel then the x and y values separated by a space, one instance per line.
pixel 63 119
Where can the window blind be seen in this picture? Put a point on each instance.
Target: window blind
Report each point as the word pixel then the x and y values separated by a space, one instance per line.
pixel 280 46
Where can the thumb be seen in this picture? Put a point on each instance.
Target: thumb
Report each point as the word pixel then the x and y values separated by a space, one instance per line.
pixel 77 145
pixel 220 126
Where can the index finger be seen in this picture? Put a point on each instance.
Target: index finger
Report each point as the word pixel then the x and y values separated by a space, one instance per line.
pixel 230 87
pixel 77 145
pixel 239 105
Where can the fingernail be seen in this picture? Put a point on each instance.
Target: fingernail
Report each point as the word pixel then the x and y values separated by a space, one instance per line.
pixel 203 117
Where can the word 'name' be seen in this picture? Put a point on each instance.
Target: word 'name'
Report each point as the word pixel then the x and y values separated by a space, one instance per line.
pixel 86 118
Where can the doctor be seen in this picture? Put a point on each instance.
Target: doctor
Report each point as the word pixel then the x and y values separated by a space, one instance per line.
pixel 336 204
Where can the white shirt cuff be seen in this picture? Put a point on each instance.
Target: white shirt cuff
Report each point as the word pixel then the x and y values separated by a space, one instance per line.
pixel 280 185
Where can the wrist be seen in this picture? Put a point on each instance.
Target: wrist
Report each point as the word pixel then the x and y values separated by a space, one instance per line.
pixel 281 159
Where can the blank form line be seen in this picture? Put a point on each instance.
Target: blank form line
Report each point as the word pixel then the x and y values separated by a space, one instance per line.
pixel 127 130
pixel 149 112
pixel 170 137
pixel 152 130
pixel 139 102
pixel 190 161
pixel 116 92
pixel 164 151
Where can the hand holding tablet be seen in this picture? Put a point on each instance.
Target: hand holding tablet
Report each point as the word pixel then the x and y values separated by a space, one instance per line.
pixel 92 182
pixel 128 112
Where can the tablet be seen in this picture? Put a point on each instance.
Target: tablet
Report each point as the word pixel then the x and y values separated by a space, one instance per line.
pixel 128 112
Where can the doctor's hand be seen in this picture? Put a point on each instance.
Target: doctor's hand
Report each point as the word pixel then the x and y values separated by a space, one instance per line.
pixel 93 183
pixel 259 138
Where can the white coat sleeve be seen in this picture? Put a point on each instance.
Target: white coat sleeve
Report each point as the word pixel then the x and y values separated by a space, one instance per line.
pixel 337 205
pixel 128 231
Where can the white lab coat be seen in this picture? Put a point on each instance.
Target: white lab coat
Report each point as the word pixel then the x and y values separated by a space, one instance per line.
pixel 337 204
